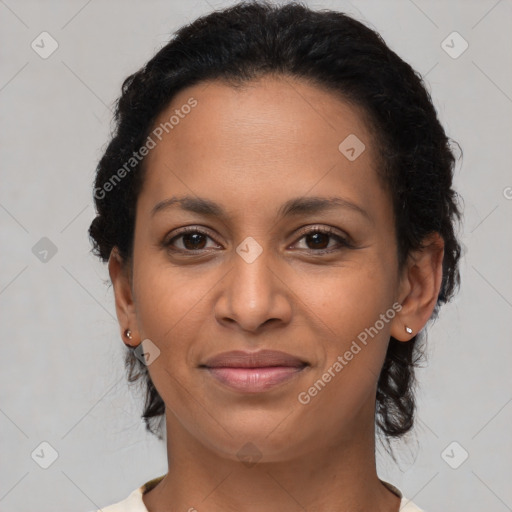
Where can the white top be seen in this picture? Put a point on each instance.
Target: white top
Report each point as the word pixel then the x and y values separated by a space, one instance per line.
pixel 134 503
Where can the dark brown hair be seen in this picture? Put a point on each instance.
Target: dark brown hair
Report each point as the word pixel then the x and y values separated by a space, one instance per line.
pixel 332 50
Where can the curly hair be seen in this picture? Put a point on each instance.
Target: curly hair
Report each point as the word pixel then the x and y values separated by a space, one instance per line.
pixel 331 50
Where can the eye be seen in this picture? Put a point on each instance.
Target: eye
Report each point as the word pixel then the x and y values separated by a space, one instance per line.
pixel 318 239
pixel 193 239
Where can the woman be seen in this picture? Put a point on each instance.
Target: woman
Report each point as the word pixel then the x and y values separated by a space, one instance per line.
pixel 277 213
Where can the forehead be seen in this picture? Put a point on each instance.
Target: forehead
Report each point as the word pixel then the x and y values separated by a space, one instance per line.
pixel 275 136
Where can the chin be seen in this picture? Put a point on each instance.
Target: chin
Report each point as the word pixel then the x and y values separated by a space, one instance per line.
pixel 260 440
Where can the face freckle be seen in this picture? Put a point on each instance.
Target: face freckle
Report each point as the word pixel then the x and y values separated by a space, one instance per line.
pixel 257 166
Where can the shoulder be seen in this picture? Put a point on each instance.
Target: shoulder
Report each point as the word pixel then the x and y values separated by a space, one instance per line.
pixel 133 502
pixel 406 505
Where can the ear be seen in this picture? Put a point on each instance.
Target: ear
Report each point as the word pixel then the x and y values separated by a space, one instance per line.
pixel 419 288
pixel 120 275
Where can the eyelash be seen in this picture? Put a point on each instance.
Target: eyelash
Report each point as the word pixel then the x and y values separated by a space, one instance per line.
pixel 343 242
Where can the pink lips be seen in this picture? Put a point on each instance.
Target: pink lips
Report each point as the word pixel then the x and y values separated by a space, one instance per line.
pixel 253 372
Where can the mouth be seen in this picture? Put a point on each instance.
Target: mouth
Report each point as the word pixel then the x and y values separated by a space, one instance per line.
pixel 253 372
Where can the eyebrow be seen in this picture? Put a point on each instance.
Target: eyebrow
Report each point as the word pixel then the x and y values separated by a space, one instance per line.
pixel 292 207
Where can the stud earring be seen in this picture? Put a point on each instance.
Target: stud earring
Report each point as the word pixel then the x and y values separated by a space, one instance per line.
pixel 408 329
pixel 128 334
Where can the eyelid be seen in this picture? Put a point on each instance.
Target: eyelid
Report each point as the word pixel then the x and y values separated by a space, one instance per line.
pixel 323 229
pixel 344 239
pixel 183 231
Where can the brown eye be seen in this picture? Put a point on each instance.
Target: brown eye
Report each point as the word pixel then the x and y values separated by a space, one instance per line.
pixel 192 239
pixel 317 240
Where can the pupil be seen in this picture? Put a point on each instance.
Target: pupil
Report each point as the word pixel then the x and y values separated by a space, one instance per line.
pixel 315 237
pixel 193 236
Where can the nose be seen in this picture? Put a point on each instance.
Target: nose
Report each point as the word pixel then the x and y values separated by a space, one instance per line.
pixel 254 295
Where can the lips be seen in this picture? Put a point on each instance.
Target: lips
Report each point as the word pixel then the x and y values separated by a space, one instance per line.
pixel 260 359
pixel 253 372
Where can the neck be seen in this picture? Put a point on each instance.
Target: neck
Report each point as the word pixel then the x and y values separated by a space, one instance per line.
pixel 339 475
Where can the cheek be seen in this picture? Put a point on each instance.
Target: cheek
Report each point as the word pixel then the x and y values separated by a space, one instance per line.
pixel 353 341
pixel 164 292
pixel 168 313
pixel 347 307
pixel 348 298
pixel 172 308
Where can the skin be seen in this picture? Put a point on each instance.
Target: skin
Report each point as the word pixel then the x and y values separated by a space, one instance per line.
pixel 251 149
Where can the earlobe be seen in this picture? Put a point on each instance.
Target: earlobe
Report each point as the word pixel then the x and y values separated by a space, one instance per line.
pixel 419 289
pixel 125 307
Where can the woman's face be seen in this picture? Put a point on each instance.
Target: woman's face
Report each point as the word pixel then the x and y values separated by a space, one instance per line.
pixel 251 278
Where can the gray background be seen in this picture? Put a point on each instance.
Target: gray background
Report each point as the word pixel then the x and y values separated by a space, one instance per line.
pixel 62 376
